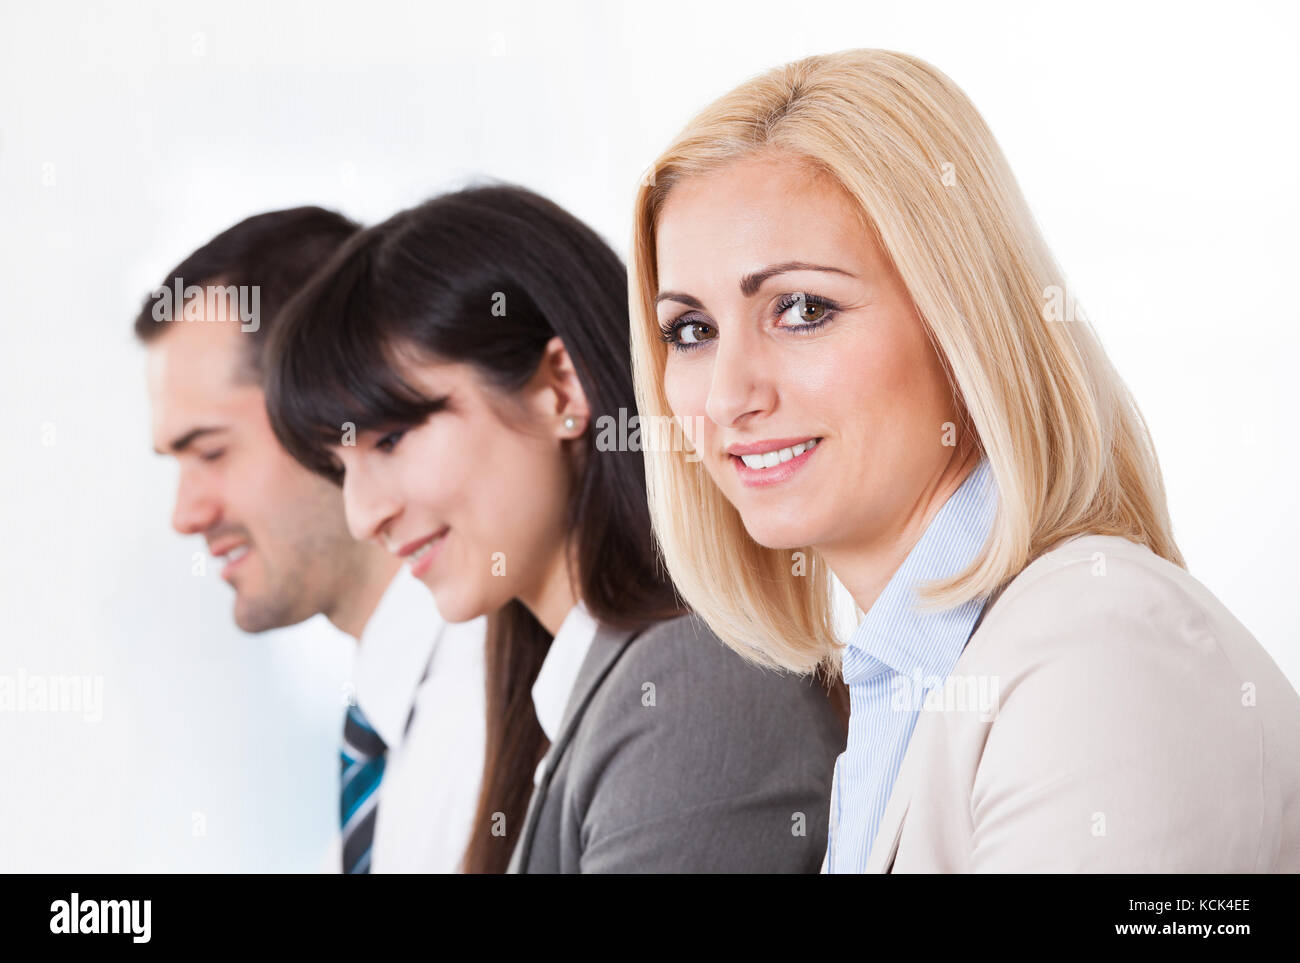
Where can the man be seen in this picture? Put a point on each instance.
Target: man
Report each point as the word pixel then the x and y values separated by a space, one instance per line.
pixel 413 741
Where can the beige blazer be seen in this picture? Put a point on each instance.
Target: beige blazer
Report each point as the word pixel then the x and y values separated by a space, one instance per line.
pixel 1107 715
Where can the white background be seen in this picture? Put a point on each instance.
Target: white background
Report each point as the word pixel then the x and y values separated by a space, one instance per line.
pixel 1157 145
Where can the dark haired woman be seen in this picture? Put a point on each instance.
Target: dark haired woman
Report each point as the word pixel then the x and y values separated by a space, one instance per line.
pixel 453 366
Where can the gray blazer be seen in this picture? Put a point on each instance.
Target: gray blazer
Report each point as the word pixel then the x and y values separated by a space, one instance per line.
pixel 676 755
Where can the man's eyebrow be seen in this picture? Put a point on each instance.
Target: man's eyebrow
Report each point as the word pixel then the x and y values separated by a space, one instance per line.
pixel 750 283
pixel 184 441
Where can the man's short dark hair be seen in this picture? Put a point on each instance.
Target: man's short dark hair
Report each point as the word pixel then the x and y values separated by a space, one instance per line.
pixel 277 252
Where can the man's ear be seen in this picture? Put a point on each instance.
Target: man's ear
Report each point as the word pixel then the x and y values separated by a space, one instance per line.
pixel 558 393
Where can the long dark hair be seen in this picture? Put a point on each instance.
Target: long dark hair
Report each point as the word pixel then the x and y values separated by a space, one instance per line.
pixel 435 277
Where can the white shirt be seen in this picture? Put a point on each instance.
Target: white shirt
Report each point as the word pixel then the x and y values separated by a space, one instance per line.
pixel 429 790
pixel 559 671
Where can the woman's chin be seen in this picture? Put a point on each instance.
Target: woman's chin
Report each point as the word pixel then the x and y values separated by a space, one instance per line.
pixel 778 535
pixel 453 605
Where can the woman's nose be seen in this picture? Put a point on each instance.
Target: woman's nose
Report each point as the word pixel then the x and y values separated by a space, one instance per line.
pixel 741 385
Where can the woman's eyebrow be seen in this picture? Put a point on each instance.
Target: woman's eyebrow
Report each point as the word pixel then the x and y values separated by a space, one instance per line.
pixel 750 283
pixel 685 299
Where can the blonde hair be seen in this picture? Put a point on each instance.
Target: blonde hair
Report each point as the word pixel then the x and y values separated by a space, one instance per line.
pixel 1067 446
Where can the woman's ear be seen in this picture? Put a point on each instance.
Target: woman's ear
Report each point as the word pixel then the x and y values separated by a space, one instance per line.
pixel 558 393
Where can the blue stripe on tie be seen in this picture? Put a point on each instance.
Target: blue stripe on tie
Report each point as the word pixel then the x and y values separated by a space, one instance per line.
pixel 347 766
pixel 361 767
pixel 360 787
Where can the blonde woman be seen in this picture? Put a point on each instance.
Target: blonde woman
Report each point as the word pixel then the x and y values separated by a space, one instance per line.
pixel 839 291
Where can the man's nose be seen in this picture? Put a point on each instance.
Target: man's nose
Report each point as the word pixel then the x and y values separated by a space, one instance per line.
pixel 197 508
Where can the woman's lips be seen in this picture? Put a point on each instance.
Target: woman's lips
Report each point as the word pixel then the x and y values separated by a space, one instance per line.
pixel 799 453
pixel 421 557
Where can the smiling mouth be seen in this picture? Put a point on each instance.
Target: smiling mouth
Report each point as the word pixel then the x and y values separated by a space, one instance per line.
pixel 423 550
pixel 770 459
pixel 419 557
pixel 231 557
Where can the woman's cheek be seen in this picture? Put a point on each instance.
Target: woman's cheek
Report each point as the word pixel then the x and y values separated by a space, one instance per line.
pixel 686 389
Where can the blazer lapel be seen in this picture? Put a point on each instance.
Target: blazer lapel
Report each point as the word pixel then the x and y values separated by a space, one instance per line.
pixel 885 847
pixel 606 648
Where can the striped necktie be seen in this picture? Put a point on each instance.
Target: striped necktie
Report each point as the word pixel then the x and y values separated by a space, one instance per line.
pixel 362 766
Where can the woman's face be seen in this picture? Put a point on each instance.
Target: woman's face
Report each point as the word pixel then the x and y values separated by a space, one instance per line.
pixel 473 499
pixel 790 327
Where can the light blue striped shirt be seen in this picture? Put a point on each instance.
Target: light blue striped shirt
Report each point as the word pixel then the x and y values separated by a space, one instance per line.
pixel 896 654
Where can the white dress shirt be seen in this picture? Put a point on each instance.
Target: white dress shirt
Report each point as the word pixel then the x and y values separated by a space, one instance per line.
pixel 430 786
pixel 559 671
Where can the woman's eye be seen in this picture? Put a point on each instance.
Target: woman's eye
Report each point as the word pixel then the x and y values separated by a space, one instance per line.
pixel 805 310
pixel 693 332
pixel 685 335
pixel 212 455
pixel 390 440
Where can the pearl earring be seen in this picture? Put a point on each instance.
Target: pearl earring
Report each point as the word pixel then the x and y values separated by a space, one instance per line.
pixel 570 423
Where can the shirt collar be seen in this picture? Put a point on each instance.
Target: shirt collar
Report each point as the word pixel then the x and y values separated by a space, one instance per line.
pixel 559 672
pixel 897 635
pixel 395 649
